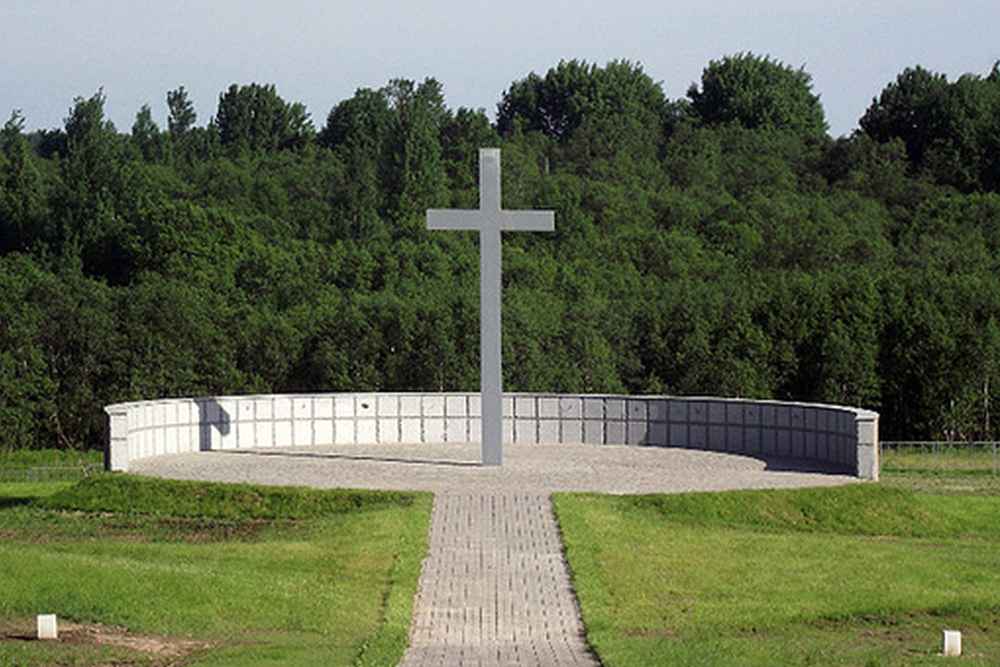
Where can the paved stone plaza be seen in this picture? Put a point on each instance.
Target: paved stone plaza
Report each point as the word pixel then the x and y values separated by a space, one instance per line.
pixel 536 469
pixel 494 588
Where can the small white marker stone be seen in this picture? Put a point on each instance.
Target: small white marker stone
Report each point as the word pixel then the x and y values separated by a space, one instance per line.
pixel 952 643
pixel 47 626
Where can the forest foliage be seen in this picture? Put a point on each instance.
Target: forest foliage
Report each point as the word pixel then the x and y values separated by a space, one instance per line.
pixel 719 244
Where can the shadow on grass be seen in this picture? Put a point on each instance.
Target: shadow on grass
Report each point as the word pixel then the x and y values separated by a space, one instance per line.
pixel 355 457
pixel 15 501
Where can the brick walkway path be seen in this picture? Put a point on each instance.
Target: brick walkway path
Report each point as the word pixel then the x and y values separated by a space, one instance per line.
pixel 494 589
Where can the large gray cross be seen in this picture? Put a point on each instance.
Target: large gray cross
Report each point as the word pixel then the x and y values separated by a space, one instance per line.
pixel 489 221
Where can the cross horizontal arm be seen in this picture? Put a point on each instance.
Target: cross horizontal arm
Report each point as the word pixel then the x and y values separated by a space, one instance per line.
pixel 527 221
pixel 510 221
pixel 455 219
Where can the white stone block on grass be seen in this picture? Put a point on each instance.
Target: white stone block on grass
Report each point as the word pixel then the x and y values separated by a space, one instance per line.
pixel 952 643
pixel 47 626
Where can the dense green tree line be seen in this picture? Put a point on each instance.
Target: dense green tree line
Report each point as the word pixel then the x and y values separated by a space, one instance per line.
pixel 718 244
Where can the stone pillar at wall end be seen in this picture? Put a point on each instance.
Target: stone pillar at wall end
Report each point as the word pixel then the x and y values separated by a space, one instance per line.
pixel 868 445
pixel 116 454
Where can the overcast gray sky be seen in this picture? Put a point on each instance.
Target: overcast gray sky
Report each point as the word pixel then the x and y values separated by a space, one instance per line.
pixel 319 52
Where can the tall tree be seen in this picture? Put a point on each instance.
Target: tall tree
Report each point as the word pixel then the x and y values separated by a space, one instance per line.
pixel 756 91
pixel 146 135
pixel 461 138
pixel 181 116
pixel 949 129
pixel 358 130
pixel 419 180
pixel 606 110
pixel 97 187
pixel 255 117
pixel 22 205
pixel 911 108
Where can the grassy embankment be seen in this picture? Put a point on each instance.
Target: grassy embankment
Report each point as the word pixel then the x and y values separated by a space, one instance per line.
pixel 152 572
pixel 858 575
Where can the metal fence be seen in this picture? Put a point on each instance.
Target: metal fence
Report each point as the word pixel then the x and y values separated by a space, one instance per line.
pixel 975 455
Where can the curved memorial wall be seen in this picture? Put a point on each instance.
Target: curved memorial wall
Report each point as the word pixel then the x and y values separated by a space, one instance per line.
pixel 843 436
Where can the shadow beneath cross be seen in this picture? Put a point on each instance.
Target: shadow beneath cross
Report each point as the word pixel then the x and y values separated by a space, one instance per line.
pixel 358 457
pixel 211 415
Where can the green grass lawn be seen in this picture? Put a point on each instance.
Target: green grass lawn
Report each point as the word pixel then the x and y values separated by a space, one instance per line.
pixel 858 575
pixel 37 465
pixel 207 574
pixel 950 470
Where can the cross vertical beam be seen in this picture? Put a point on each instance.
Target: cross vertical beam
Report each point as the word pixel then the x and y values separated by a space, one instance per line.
pixel 489 221
pixel 490 345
